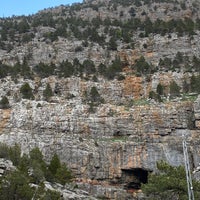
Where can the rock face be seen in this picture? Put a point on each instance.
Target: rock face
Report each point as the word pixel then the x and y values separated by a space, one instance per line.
pixel 69 193
pixel 117 145
pixel 113 139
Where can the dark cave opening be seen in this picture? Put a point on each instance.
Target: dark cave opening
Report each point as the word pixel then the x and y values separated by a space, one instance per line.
pixel 133 178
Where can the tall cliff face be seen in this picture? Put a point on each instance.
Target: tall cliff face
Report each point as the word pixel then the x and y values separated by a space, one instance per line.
pixel 123 77
pixel 117 144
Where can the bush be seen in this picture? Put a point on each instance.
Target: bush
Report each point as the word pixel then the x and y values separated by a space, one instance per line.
pixel 174 89
pixel 66 69
pixel 114 69
pixel 4 103
pixel 142 67
pixel 47 93
pixel 94 96
pixel 44 70
pixel 26 91
pixel 155 96
pixel 160 89
pixel 195 83
pixel 89 67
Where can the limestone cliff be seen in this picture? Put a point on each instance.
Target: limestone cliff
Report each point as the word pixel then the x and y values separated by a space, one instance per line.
pixel 123 86
pixel 115 145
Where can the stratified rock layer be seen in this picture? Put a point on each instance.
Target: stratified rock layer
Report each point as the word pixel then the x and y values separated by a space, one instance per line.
pixel 101 146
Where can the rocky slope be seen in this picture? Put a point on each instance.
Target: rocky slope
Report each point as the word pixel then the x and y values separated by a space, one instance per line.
pixel 109 130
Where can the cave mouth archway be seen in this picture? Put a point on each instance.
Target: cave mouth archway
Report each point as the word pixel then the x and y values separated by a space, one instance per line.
pixel 134 178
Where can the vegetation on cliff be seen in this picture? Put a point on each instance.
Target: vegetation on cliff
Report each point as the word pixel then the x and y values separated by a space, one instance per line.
pixel 27 180
pixel 169 183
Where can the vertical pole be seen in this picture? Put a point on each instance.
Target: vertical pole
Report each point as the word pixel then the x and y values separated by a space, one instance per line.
pixel 187 170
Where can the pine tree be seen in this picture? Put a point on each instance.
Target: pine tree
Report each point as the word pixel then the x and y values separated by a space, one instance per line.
pixel 168 183
pixel 47 93
pixel 54 164
pixel 4 103
pixel 26 91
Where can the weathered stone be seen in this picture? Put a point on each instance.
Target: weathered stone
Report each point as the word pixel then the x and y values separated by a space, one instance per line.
pixel 6 165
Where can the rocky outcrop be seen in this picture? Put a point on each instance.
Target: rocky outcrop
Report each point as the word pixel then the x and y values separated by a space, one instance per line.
pixel 68 192
pixel 5 166
pixel 111 150
pixel 119 147
pixel 110 145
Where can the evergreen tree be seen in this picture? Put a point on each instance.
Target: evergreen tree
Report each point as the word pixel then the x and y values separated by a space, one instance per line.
pixel 160 89
pixel 142 67
pixel 4 103
pixel 94 96
pixel 89 67
pixel 26 91
pixel 15 186
pixel 169 183
pixel 54 164
pixel 174 89
pixel 15 154
pixel 63 174
pixel 112 44
pixel 195 83
pixel 47 93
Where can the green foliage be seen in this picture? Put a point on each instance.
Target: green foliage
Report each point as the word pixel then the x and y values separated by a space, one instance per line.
pixel 160 89
pixel 24 163
pixel 23 26
pixel 169 183
pixel 65 69
pixel 44 70
pixel 155 96
pixel 25 70
pixel 114 69
pixel 54 164
pixel 47 93
pixel 37 171
pixel 12 153
pixel 132 12
pixel 94 95
pixel 15 154
pixel 15 186
pixel 31 169
pixel 89 67
pixel 142 67
pixel 38 165
pixel 26 91
pixel 112 44
pixel 4 103
pixel 4 70
pixel 63 174
pixel 36 154
pixel 4 151
pixel 174 89
pixel 196 64
pixel 195 83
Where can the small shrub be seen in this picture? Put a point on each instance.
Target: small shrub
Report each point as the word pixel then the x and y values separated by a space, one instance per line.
pixel 47 93
pixel 174 89
pixel 4 103
pixel 26 91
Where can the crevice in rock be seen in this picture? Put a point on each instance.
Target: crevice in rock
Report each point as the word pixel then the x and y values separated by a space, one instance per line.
pixel 133 178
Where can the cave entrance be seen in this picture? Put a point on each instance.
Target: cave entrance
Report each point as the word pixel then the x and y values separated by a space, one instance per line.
pixel 133 178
